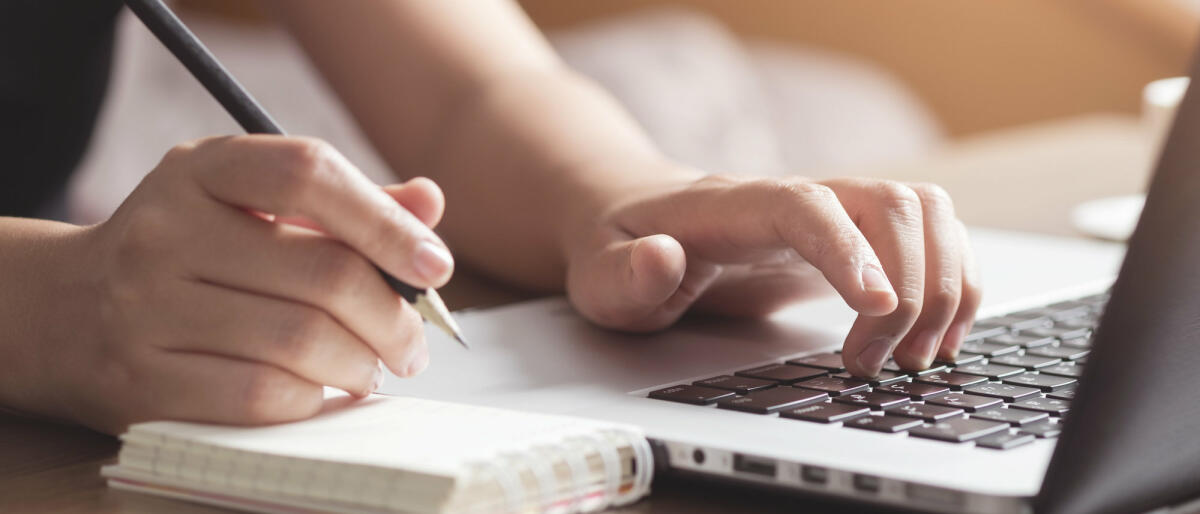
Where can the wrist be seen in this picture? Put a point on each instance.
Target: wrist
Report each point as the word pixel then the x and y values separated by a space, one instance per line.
pixel 37 312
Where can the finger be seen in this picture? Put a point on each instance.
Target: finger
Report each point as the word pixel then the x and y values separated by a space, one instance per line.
pixel 245 252
pixel 727 220
pixel 972 296
pixel 634 284
pixel 214 389
pixel 289 176
pixel 298 338
pixel 943 279
pixel 420 196
pixel 889 215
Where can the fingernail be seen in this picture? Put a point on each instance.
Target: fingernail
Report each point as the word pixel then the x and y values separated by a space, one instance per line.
pixel 377 377
pixel 419 363
pixel 432 261
pixel 927 345
pixel 954 338
pixel 872 357
pixel 873 280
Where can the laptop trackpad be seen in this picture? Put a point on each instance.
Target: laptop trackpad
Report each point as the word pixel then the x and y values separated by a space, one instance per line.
pixel 543 345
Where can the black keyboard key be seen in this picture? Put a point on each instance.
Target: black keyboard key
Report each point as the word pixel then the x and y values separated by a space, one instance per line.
pixel 831 362
pixel 924 411
pixel 960 359
pixel 694 395
pixel 888 424
pixel 1060 352
pixel 782 373
pixel 1022 340
pixel 885 377
pixel 981 332
pixel 1015 417
pixel 835 386
pixel 933 368
pixel 1025 361
pixel 1078 342
pixel 892 366
pixel 877 401
pixel 1008 393
pixel 1057 332
pixel 1046 383
pixel 740 385
pixel 1042 429
pixel 1048 405
pixel 991 371
pixel 988 348
pixel 958 430
pixel 967 402
pixel 826 412
pixel 1004 440
pixel 955 381
pixel 771 400
pixel 1063 369
pixel 913 390
pixel 1068 395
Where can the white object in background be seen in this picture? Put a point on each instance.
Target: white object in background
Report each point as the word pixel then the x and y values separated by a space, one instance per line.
pixel 1111 218
pixel 1114 218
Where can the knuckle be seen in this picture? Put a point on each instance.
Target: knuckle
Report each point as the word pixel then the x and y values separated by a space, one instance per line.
pixel 793 191
pixel 303 163
pixel 337 271
pixel 907 309
pixel 943 299
pixel 898 196
pixel 397 351
pixel 179 152
pixel 299 333
pixel 932 193
pixel 266 394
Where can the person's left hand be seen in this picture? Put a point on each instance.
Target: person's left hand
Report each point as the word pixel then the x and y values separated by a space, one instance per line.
pixel 742 246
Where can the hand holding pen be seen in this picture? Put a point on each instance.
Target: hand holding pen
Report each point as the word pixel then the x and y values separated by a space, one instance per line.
pixel 241 276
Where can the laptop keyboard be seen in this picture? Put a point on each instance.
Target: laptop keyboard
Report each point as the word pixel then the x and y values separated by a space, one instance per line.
pixel 1012 383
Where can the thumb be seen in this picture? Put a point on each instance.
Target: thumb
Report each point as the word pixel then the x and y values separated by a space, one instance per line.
pixel 630 283
pixel 420 196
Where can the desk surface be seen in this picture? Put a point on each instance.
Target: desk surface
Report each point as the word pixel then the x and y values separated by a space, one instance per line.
pixel 1024 179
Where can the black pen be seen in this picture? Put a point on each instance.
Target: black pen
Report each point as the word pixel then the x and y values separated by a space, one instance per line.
pixel 254 119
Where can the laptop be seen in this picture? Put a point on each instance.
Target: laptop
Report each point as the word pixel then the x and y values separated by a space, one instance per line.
pixel 1075 393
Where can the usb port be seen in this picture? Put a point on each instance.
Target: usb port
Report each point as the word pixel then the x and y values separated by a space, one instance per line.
pixel 814 474
pixel 866 483
pixel 755 465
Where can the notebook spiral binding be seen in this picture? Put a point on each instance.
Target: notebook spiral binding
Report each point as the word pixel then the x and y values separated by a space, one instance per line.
pixel 573 452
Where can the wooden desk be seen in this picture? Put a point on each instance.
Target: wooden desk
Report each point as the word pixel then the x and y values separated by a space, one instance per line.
pixel 1025 179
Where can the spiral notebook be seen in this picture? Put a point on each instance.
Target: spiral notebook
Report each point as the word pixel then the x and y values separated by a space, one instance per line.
pixel 392 454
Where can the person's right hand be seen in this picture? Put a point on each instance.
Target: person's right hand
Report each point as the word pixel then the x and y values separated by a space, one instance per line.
pixel 205 307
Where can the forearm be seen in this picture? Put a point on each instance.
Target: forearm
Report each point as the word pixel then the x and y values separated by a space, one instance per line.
pixel 474 98
pixel 33 275
pixel 530 163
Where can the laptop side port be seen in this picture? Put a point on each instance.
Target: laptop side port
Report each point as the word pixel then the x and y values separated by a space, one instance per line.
pixel 755 465
pixel 866 483
pixel 814 474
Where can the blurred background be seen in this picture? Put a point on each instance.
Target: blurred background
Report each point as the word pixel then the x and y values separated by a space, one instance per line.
pixel 1022 103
